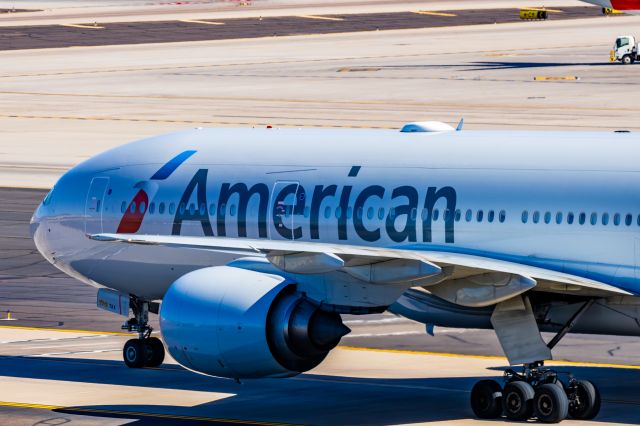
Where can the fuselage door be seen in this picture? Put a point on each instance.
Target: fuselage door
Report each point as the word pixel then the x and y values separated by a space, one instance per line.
pixel 284 206
pixel 637 256
pixel 95 205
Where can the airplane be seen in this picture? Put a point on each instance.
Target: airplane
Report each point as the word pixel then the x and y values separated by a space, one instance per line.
pixel 630 6
pixel 249 244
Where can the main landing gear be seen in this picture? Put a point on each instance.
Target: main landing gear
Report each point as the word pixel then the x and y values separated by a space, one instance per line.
pixel 536 392
pixel 145 351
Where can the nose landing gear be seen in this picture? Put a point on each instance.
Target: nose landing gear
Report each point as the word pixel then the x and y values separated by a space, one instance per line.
pixel 145 351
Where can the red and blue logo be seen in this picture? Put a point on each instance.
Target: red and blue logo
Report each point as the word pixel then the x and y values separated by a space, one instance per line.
pixel 138 206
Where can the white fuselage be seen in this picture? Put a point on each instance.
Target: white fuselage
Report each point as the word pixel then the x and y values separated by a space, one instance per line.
pixel 562 201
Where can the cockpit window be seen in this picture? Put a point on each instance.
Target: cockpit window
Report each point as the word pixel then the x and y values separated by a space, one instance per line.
pixel 622 41
pixel 47 198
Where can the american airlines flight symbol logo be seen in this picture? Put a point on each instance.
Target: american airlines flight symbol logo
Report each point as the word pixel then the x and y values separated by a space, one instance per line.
pixel 137 208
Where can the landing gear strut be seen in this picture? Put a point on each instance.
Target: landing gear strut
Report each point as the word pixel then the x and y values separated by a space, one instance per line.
pixel 538 391
pixel 145 351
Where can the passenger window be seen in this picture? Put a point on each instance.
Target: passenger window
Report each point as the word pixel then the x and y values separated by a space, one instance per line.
pixel 143 207
pixel 458 215
pixel 349 212
pixel 503 216
pixel 152 208
pixel 479 215
pixel 628 219
pixel 161 208
pixel 370 213
pixel 468 215
pixel 547 217
pixel 381 213
pixel 359 213
pixel 203 209
pixel 233 208
pixel 536 216
pixel 616 219
pixel 132 209
pixel 392 213
pixel 435 215
pixel 570 218
pixel 594 218
pixel 123 207
pixel 447 215
pixel 605 218
pixel 414 213
pixel 559 218
pixel 172 208
pixel 192 209
pixel 638 220
pixel 490 216
pixel 327 212
pixel 338 212
pixel 307 211
pixel 582 218
pixel 183 208
pixel 525 216
pixel 212 208
pixel 424 214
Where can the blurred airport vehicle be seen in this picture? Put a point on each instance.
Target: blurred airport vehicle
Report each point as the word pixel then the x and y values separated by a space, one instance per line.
pixel 625 50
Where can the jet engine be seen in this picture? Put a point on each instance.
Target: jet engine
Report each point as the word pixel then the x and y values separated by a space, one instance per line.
pixel 231 322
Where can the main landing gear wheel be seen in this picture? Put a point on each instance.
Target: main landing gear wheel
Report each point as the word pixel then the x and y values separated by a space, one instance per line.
pixel 551 403
pixel 517 399
pixel 584 402
pixel 486 399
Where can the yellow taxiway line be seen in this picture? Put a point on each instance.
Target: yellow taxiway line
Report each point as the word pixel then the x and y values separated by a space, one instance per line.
pixel 496 357
pixel 353 348
pixel 196 21
pixel 428 12
pixel 557 78
pixel 65 330
pixel 90 27
pixel 77 410
pixel 324 18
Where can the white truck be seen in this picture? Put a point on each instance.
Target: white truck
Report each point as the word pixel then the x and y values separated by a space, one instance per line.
pixel 625 50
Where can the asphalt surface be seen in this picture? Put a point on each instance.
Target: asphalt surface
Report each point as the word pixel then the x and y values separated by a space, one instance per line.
pixel 97 34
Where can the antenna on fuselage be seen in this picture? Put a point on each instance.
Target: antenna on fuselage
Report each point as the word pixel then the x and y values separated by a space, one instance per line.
pixel 460 124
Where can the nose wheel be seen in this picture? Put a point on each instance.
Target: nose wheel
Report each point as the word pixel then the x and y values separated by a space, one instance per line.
pixel 145 351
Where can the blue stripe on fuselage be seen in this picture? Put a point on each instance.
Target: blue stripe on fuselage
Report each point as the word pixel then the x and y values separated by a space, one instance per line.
pixel 171 166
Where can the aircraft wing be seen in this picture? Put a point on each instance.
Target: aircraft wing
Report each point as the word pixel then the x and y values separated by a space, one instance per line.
pixel 319 257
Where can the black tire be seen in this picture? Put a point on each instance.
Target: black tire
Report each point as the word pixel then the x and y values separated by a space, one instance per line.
pixel 586 404
pixel 486 399
pixel 154 352
pixel 517 400
pixel 134 353
pixel 550 403
pixel 627 59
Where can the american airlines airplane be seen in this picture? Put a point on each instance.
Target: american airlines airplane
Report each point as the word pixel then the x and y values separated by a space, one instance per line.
pixel 250 243
pixel 631 6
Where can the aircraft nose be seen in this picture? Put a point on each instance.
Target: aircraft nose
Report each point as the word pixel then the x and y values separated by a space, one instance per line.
pixel 39 222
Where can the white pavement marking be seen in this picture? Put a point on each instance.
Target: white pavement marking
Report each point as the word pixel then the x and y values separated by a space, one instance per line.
pixel 378 321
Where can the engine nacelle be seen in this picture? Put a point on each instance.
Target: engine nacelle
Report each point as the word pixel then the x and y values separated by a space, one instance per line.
pixel 230 322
